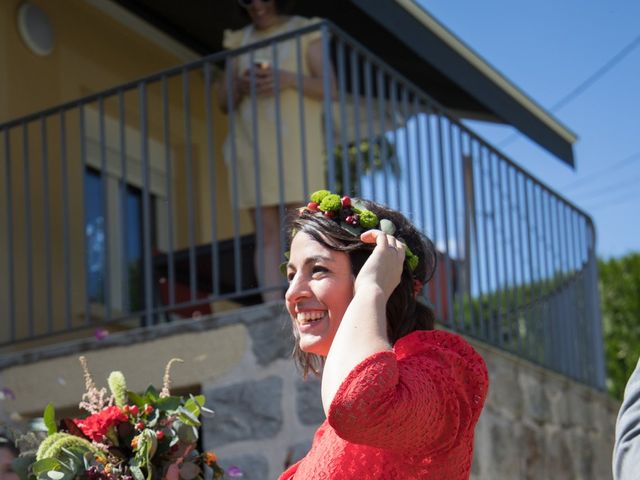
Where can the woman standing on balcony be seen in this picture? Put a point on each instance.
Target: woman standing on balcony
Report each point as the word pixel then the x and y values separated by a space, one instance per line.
pixel 287 140
pixel 401 399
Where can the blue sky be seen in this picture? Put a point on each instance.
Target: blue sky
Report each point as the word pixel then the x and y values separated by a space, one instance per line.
pixel 548 48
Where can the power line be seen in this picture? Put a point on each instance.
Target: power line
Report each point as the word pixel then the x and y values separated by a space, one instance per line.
pixel 577 91
pixel 615 201
pixel 612 188
pixel 598 174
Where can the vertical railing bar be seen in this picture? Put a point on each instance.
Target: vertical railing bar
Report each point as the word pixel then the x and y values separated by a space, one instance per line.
pixel 124 225
pixel 280 152
pixel 558 287
pixel 65 220
pixel 548 284
pixel 469 214
pixel 346 160
pixel 529 231
pixel 536 267
pixel 83 160
pixel 514 294
pixel 422 212
pixel 106 284
pixel 166 133
pixel 499 290
pixel 186 101
pixel 234 169
pixel 408 156
pixel 504 294
pixel 10 254
pixel 211 160
pixel 382 150
pixel 259 226
pixel 492 297
pixel 522 295
pixel 328 106
pixel 432 170
pixel 301 119
pixel 369 102
pixel 146 204
pixel 459 295
pixel 28 226
pixel 355 85
pixel 570 285
pixel 445 214
pixel 567 363
pixel 47 222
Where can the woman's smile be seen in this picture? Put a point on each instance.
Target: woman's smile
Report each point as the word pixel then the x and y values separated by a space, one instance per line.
pixel 320 290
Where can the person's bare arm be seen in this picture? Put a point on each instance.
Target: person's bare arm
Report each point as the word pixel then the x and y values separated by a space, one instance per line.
pixel 363 330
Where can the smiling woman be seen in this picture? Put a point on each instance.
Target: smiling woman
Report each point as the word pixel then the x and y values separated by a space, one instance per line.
pixel 401 399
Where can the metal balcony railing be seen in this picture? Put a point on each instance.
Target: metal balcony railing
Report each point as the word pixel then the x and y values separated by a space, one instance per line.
pixel 118 210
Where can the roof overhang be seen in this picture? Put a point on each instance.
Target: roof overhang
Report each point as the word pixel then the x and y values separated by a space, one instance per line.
pixel 406 37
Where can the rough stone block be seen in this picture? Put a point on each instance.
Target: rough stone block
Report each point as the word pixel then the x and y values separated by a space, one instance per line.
pixel 533 450
pixel 244 411
pixel 505 393
pixel 536 404
pixel 253 467
pixel 309 402
pixel 558 455
pixel 271 339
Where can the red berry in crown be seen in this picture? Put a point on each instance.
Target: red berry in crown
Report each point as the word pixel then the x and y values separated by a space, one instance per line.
pixel 346 201
pixel 330 214
pixel 313 206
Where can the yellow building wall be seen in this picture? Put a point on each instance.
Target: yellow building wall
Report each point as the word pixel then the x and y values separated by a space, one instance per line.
pixel 92 52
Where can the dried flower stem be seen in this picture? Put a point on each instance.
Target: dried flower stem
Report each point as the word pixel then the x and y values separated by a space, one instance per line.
pixel 94 399
pixel 166 381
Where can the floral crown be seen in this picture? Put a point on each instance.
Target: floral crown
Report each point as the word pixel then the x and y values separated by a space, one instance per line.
pixel 353 217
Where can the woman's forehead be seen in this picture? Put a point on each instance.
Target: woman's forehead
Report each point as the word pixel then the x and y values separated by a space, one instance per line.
pixel 305 247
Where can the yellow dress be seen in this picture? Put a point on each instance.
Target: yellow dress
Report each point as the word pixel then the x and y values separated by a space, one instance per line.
pixel 241 138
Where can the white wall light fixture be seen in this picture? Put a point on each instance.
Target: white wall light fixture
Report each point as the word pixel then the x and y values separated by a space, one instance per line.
pixel 35 29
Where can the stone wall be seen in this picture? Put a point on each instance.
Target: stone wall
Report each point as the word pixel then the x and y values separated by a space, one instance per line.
pixel 536 424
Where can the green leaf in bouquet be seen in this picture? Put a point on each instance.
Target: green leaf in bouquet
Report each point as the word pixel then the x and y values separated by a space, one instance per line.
pixel 187 434
pixel 193 407
pixel 151 395
pixel 136 399
pixel 49 417
pixel 168 403
pixel 45 465
pixel 136 472
pixel 187 417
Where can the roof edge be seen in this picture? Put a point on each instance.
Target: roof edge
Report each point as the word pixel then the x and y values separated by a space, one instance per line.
pixel 424 17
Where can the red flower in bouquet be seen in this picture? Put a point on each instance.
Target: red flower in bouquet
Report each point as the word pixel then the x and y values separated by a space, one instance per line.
pixel 97 426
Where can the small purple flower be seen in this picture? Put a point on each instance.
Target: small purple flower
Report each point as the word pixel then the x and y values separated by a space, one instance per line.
pixel 101 333
pixel 7 394
pixel 234 472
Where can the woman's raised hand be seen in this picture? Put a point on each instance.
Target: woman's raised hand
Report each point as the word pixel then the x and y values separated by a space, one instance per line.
pixel 383 268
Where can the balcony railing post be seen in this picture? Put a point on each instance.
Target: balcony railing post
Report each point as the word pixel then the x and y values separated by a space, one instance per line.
pixel 328 105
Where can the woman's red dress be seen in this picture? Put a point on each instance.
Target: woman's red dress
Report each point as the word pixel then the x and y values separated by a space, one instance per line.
pixel 408 413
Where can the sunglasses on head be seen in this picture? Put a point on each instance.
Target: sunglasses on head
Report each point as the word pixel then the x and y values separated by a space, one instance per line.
pixel 248 3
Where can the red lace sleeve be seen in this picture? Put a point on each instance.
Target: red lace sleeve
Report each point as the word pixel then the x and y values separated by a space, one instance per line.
pixel 419 398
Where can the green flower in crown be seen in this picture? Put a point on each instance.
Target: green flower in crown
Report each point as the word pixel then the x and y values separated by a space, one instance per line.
pixel 353 218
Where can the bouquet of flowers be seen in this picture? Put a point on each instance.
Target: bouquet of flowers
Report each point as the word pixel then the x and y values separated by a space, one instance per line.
pixel 126 436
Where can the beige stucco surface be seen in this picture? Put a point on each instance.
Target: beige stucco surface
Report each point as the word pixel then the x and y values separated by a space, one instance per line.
pixel 207 355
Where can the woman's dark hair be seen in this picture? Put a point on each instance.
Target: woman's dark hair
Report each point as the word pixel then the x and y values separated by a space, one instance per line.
pixel 405 312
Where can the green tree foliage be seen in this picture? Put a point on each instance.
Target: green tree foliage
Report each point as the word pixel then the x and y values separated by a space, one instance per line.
pixel 620 303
